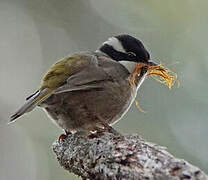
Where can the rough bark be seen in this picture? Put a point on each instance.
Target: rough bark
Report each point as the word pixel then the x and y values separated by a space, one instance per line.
pixel 114 156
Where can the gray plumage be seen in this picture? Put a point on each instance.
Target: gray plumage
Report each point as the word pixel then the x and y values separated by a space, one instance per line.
pixel 98 95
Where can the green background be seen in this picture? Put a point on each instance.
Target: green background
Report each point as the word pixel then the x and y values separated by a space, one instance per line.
pixel 36 33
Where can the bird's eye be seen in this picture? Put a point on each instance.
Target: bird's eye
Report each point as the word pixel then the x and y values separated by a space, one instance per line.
pixel 131 54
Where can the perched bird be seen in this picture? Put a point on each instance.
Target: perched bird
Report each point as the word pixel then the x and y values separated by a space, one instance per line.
pixel 89 91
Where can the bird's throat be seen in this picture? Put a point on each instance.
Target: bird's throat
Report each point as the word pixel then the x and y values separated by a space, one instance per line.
pixel 130 66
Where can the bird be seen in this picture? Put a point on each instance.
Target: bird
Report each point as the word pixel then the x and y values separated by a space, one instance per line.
pixel 89 91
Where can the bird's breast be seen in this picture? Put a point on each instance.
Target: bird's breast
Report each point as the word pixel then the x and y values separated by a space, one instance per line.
pixel 72 110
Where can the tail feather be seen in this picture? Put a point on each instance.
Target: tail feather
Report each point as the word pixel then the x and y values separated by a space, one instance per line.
pixel 31 102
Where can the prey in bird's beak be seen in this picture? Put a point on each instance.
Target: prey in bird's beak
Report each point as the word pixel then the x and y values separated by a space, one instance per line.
pixel 157 71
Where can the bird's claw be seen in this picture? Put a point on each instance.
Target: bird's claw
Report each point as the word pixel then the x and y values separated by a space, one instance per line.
pixel 62 137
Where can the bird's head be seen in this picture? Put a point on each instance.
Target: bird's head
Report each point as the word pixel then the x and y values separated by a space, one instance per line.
pixel 127 50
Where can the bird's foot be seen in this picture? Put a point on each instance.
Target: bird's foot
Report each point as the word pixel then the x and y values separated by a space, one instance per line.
pixel 98 132
pixel 62 137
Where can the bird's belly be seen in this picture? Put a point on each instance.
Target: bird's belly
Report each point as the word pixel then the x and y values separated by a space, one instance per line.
pixel 87 109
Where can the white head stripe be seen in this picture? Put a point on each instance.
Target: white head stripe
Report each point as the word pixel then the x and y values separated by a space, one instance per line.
pixel 115 43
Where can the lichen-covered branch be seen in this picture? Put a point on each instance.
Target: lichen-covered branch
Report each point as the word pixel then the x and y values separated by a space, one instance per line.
pixel 121 157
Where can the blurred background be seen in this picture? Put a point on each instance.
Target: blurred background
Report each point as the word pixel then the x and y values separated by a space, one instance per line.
pixel 36 33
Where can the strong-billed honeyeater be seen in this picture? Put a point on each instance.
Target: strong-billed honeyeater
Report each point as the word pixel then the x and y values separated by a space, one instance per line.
pixel 87 91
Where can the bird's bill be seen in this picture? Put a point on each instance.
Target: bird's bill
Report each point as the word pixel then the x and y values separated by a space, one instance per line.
pixel 143 67
pixel 152 63
pixel 141 70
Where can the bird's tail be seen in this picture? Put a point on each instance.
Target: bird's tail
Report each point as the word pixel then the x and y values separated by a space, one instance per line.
pixel 31 102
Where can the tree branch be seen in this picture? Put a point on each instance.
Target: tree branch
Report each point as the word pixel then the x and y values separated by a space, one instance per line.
pixel 113 156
